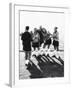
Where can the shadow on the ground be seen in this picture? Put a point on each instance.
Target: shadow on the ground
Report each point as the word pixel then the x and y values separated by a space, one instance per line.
pixel 8 85
pixel 49 69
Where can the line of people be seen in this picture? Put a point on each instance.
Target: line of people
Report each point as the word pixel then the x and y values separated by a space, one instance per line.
pixel 36 39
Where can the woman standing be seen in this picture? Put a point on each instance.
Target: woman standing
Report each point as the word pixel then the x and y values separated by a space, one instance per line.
pixel 36 38
pixel 56 39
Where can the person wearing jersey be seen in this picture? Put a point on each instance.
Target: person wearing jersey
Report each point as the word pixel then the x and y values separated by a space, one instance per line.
pixel 41 35
pixel 48 40
pixel 36 38
pixel 56 39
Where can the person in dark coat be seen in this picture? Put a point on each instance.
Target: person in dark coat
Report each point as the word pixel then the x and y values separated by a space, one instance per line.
pixel 26 41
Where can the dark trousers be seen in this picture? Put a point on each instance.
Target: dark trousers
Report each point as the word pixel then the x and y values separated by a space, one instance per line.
pixel 56 45
pixel 47 43
pixel 27 55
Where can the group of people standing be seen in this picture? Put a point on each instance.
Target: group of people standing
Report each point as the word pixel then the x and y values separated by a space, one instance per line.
pixel 37 38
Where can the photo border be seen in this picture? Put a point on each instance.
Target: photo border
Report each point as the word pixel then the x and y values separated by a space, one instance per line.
pixel 14 79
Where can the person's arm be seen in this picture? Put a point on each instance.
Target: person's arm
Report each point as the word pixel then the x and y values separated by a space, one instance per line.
pixel 23 37
pixel 20 34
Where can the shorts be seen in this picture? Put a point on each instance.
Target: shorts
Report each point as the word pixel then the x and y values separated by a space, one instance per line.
pixel 55 43
pixel 48 42
pixel 35 44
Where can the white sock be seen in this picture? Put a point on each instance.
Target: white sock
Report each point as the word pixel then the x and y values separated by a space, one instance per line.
pixel 27 61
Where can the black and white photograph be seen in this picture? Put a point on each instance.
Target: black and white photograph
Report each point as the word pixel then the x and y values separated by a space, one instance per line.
pixel 41 44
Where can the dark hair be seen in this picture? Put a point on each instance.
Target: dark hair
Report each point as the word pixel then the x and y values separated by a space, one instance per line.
pixel 27 27
pixel 56 27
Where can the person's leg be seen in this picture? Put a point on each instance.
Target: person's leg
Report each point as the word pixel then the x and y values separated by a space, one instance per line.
pixel 28 62
pixel 54 47
pixel 44 46
pixel 57 48
pixel 49 43
pixel 53 44
pixel 34 48
pixel 29 54
pixel 27 58
pixel 25 55
pixel 48 46
pixel 38 46
pixel 57 45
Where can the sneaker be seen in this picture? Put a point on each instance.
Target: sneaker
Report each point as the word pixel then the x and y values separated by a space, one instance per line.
pixel 27 62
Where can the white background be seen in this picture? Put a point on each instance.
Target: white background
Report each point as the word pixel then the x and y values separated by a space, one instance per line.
pixel 4 43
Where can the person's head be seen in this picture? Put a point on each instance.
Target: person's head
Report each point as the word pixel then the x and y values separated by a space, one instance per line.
pixel 40 27
pixel 55 29
pixel 27 28
pixel 35 30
